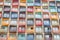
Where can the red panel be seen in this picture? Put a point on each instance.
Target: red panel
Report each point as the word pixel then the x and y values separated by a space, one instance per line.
pixel 44 0
pixel 38 23
pixel 30 9
pixel 14 6
pixel 15 0
pixel 20 30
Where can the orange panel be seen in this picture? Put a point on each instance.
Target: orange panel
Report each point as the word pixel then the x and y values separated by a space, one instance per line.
pixel 23 1
pixel 12 39
pixel 1 0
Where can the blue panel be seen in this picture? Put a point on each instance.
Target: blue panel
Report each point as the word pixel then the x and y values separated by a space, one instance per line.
pixel 30 37
pixel 14 15
pixel 46 23
pixel 30 4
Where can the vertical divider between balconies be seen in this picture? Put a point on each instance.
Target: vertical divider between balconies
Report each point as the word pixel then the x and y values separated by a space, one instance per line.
pixel 42 19
pixel 18 19
pixel 26 21
pixel 34 19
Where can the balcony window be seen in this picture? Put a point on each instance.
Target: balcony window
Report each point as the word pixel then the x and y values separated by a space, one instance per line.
pixel 38 15
pixel 21 37
pixel 30 22
pixel 21 29
pixel 39 37
pixel 14 15
pixel 46 22
pixel 13 29
pixel 30 37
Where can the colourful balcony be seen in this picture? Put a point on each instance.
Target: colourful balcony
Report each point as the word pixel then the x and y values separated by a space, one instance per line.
pixel 22 22
pixel 46 22
pixel 30 22
pixel 45 8
pixel 37 2
pixel 52 9
pixel 5 22
pixel 15 2
pixel 22 15
pixel 39 37
pixel 56 37
pixel 13 29
pixel 38 30
pixel 22 2
pixel 46 15
pixel 4 29
pixel 38 15
pixel 45 4
pixel 6 8
pixel 54 23
pixel 21 37
pixel 48 37
pixel 15 6
pixel 55 29
pixel 22 8
pixel 30 15
pixel 38 22
pixel 52 3
pixel 47 29
pixel 12 37
pixel 7 2
pixel 30 37
pixel 30 30
pixel 54 16
pixel 14 15
pixel 37 9
pixel 3 37
pixel 14 9
pixel 21 29
pixel 6 15
pixel 13 22
pixel 30 9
